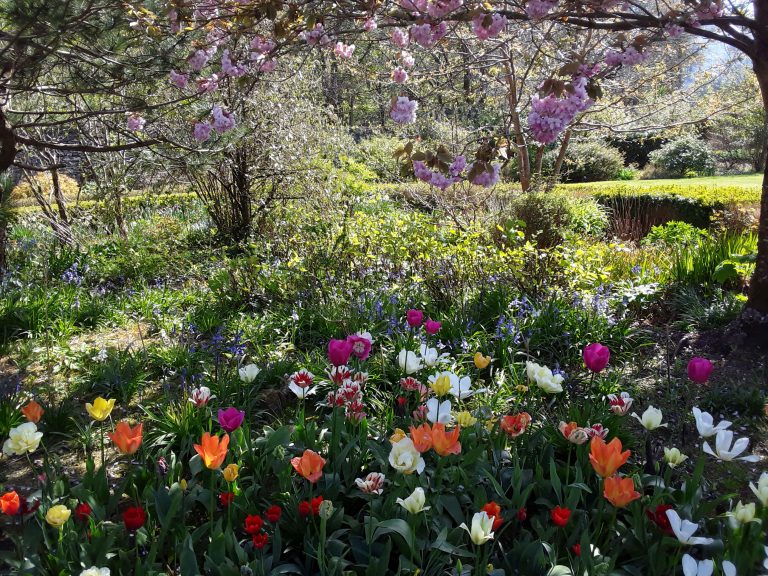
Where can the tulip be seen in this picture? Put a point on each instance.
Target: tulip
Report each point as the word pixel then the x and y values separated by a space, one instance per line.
pixel 620 491
pixel 693 568
pixel 573 433
pixel 58 515
pixel 620 404
pixel 226 499
pixel 415 502
pixel 95 571
pixel 414 318
pixel 230 473
pixel 651 418
pixel 305 509
pixel 231 419
pixel 83 512
pixel 100 409
pixel 126 439
pixel 339 351
pixel 544 378
pixel 430 357
pixel 409 362
pixel 404 457
pixel 33 412
pixel 253 524
pixel 326 510
pixel 439 412
pixel 674 457
pixel 465 419
pixel 560 516
pixel 725 452
pixel 684 530
pixel 659 517
pixel 212 450
pixel 481 362
pixel 705 424
pixel 273 513
pixel 522 515
pixel 301 393
pixel 10 503
pixel 248 373
pixel 200 396
pixel 597 430
pixel 260 540
pixel 361 344
pixel 317 502
pixel 432 327
pixel 445 443
pixel 134 518
pixel 761 490
pixel 596 357
pixel 516 424
pixel 397 436
pixel 309 465
pixel 372 484
pixel 482 528
pixel 422 437
pixel 699 370
pixel 742 514
pixel 24 439
pixel 607 458
pixel 494 512
pixel 440 384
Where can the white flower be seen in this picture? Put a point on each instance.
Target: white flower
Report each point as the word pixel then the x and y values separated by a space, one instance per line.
pixel 430 356
pixel 405 458
pixel 300 392
pixel 415 502
pixel 101 356
pixel 684 530
pixel 409 362
pixel 461 388
pixel 620 404
pixel 94 571
pixel 724 451
pixel 704 423
pixel 693 568
pixel 543 377
pixel 23 439
pixel 372 484
pixel 728 568
pixel 248 373
pixel 742 514
pixel 761 490
pixel 651 418
pixel 765 562
pixel 201 396
pixel 439 411
pixel 482 528
pixel 674 457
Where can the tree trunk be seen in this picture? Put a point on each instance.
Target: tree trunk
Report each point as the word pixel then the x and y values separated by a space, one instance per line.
pixel 560 158
pixel 7 156
pixel 521 146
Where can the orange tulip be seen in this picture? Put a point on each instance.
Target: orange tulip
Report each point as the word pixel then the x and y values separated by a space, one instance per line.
pixel 33 411
pixel 126 439
pixel 620 491
pixel 514 425
pixel 444 442
pixel 422 437
pixel 212 450
pixel 607 458
pixel 309 465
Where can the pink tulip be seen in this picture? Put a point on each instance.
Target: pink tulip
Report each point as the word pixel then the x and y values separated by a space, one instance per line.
pixel 414 318
pixel 361 344
pixel 231 419
pixel 699 369
pixel 432 327
pixel 596 357
pixel 339 351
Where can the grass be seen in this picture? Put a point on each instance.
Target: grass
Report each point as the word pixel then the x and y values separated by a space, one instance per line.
pixel 751 181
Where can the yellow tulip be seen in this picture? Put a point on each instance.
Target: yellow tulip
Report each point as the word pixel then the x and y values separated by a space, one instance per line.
pixel 183 484
pixel 441 386
pixel 100 409
pixel 58 515
pixel 481 361
pixel 397 436
pixel 230 473
pixel 465 419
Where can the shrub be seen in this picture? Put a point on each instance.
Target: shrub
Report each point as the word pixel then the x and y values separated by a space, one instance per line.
pixel 674 234
pixel 588 161
pixel 69 186
pixel 682 156
pixel 376 154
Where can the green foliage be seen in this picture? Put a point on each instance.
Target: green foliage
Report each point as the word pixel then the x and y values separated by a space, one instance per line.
pixel 684 156
pixel 587 161
pixel 698 265
pixel 674 235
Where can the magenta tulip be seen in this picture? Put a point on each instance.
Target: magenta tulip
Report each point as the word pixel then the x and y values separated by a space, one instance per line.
pixel 339 351
pixel 596 357
pixel 231 419
pixel 361 345
pixel 699 369
pixel 432 327
pixel 414 318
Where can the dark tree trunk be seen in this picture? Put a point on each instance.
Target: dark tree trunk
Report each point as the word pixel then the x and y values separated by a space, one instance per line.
pixel 7 156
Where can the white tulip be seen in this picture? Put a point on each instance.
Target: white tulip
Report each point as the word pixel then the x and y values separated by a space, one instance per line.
pixel 700 568
pixel 461 388
pixel 705 423
pixel 728 568
pixel 430 356
pixel 415 502
pixel 94 571
pixel 482 528
pixel 674 457
pixel 725 452
pixel 409 362
pixel 544 378
pixel 742 514
pixel 405 458
pixel 684 530
pixel 300 392
pixel 248 373
pixel 439 412
pixel 761 490
pixel 21 440
pixel 651 418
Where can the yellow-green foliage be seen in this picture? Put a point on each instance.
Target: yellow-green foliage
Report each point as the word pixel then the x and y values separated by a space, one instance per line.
pixel 43 180
pixel 710 193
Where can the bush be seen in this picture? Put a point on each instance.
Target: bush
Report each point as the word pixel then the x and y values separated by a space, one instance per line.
pixel 588 161
pixel 69 186
pixel 376 154
pixel 684 156
pixel 674 234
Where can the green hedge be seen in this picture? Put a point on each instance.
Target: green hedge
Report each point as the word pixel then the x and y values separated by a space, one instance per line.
pixel 715 195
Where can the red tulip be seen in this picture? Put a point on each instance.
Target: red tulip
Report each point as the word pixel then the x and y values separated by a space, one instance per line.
pixel 134 518
pixel 226 498
pixel 305 509
pixel 273 513
pixel 10 503
pixel 522 515
pixel 253 524
pixel 260 540
pixel 659 517
pixel 494 511
pixel 83 511
pixel 560 516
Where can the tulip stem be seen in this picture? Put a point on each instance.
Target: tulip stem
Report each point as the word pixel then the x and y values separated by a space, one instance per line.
pixel 213 499
pixel 101 426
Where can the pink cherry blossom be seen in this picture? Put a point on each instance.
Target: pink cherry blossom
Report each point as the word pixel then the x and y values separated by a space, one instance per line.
pixel 230 69
pixel 261 45
pixel 222 120
pixel 135 122
pixel 399 75
pixel 198 60
pixel 400 38
pixel 344 50
pixel 370 25
pixel 538 9
pixel 407 59
pixel 487 26
pixel 550 115
pixel 487 179
pixel 202 131
pixel 404 110
pixel 179 80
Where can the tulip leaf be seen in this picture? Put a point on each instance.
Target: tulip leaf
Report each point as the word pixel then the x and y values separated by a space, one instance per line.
pixel 560 570
pixel 395 526
pixel 188 560
pixel 279 437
